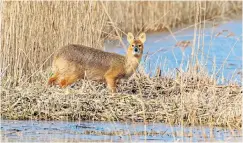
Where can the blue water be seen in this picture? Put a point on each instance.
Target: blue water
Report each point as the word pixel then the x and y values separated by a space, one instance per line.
pixel 33 131
pixel 222 53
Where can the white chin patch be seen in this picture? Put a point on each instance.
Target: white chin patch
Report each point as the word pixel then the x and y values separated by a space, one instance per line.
pixel 135 53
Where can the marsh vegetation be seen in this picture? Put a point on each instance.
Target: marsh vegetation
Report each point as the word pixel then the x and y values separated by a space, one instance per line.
pixel 186 95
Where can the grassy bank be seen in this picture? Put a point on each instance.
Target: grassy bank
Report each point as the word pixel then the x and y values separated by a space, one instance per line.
pixel 182 100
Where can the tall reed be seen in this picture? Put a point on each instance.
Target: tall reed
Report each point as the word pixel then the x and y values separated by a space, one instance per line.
pixel 32 31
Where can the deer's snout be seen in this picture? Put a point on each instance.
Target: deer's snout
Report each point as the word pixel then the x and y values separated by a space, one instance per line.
pixel 136 50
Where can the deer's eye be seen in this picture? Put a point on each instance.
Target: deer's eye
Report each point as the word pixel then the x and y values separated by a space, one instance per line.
pixel 132 45
pixel 139 46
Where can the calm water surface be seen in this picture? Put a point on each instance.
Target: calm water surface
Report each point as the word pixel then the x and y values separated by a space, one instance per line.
pixel 34 131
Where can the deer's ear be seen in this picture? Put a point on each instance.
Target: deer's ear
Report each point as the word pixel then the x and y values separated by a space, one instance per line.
pixel 142 37
pixel 130 37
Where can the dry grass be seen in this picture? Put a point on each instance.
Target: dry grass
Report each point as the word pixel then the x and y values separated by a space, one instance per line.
pixel 184 100
pixel 160 16
pixel 31 31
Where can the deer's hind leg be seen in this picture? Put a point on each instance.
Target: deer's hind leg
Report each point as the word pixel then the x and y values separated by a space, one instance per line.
pixel 52 79
pixel 68 80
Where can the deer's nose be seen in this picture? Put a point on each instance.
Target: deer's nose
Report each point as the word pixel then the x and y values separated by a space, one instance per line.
pixel 136 49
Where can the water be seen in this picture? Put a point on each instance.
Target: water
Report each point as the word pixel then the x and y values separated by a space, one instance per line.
pixel 35 131
pixel 222 52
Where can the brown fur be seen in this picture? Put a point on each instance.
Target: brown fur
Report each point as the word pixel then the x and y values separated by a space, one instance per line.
pixel 73 62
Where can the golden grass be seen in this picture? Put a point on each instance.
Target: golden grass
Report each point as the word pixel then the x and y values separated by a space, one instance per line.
pixel 32 31
pixel 158 16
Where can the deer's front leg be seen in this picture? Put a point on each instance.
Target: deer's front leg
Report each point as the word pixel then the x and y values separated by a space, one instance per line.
pixel 111 83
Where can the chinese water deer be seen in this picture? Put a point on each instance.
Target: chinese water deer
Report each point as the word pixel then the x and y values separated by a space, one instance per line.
pixel 73 62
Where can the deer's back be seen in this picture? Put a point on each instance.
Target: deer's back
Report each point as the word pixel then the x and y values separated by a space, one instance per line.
pixel 89 57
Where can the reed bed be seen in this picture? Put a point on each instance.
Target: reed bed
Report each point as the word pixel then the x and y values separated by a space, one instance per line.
pixel 32 31
pixel 160 16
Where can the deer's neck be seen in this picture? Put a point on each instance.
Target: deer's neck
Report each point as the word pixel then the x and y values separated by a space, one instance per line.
pixel 131 65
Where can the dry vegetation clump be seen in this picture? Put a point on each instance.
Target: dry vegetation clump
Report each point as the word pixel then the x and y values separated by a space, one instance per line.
pixel 141 98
